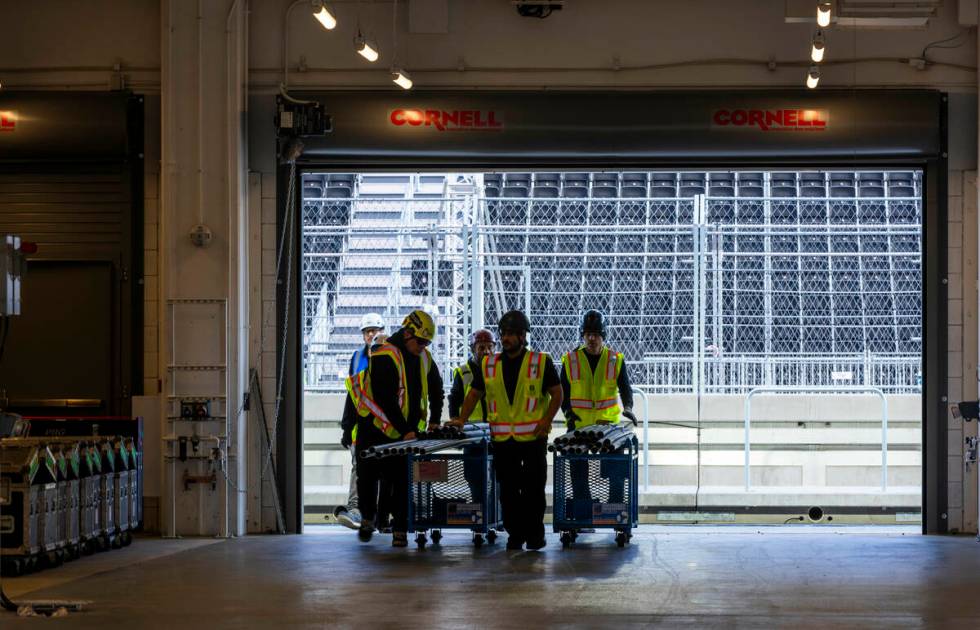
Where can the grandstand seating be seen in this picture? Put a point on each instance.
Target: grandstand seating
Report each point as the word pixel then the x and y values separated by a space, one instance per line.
pixel 808 262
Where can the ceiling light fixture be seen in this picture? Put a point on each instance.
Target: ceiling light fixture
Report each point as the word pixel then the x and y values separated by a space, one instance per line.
pixel 813 77
pixel 323 14
pixel 401 79
pixel 823 13
pixel 817 47
pixel 399 76
pixel 366 49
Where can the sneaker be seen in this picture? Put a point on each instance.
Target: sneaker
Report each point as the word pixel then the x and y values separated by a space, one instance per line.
pixel 536 545
pixel 350 519
pixel 365 531
pixel 399 539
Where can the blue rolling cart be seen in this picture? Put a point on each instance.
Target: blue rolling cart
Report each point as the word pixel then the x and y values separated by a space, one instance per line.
pixel 453 491
pixel 597 491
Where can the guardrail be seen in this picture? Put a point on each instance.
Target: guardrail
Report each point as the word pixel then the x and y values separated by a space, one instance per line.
pixel 817 390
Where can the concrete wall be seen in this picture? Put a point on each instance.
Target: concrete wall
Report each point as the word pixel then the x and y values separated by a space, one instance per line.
pixel 806 450
pixel 155 46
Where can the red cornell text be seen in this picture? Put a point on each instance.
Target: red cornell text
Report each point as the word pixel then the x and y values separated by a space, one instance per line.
pixel 456 120
pixel 773 119
pixel 8 121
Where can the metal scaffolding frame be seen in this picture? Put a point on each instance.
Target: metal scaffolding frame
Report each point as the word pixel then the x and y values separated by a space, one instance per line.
pixel 717 282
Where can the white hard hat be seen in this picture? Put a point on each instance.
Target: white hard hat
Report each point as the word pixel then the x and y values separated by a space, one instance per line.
pixel 372 320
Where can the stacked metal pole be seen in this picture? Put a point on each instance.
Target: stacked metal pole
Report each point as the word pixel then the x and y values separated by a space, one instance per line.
pixel 601 438
pixel 439 439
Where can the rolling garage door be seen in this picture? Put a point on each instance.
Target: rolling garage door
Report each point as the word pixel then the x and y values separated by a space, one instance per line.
pixel 72 350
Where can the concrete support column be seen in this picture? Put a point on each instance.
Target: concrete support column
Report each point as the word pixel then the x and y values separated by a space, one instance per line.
pixel 202 183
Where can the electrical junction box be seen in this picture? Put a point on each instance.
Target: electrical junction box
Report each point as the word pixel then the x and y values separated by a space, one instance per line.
pixel 195 409
pixel 296 118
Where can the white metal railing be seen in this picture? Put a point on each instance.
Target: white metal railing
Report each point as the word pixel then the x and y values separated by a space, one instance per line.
pixel 816 390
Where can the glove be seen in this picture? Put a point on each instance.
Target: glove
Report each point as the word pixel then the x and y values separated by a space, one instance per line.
pixel 629 414
pixel 570 420
pixel 347 439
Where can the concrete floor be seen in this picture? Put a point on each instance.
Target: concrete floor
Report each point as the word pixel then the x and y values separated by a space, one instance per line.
pixel 669 577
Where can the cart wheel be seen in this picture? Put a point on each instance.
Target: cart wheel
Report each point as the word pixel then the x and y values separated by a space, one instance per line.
pixel 574 535
pixel 477 540
pixel 491 536
pixel 420 541
pixel 566 540
pixel 127 539
pixel 436 536
pixel 621 539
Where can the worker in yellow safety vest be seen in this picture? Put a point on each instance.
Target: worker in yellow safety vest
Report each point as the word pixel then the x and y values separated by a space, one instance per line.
pixel 594 380
pixel 372 331
pixel 523 394
pixel 482 344
pixel 400 389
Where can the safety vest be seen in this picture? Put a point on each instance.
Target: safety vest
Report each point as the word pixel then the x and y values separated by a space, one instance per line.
pixel 358 364
pixel 364 399
pixel 515 420
pixel 465 373
pixel 594 395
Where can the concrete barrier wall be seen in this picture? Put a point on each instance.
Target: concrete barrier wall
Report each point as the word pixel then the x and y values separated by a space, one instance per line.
pixel 804 448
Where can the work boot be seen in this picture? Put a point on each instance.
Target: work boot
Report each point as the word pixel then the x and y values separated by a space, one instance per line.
pixel 350 519
pixel 365 531
pixel 399 539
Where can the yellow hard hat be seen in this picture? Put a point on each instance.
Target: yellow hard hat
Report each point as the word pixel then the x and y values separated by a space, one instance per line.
pixel 420 324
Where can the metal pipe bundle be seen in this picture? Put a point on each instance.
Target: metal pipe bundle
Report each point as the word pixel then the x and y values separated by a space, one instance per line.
pixel 453 432
pixel 421 447
pixel 604 438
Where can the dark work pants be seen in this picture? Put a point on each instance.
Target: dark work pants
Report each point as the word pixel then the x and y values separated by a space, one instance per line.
pixel 474 473
pixel 522 472
pixel 373 477
pixel 579 471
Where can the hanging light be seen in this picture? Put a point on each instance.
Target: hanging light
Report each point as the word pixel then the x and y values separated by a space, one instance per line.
pixel 366 49
pixel 323 14
pixel 817 48
pixel 401 79
pixel 813 77
pixel 823 13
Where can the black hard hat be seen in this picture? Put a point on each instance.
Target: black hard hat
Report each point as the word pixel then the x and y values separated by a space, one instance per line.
pixel 593 321
pixel 515 321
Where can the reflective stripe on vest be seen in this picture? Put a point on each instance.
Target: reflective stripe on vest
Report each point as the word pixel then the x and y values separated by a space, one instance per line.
pixel 594 395
pixel 465 373
pixel 364 395
pixel 519 419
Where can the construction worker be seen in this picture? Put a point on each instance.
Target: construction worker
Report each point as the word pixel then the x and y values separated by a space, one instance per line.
pixel 372 330
pixel 592 375
pixel 523 394
pixel 393 395
pixel 482 344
